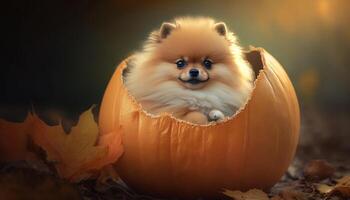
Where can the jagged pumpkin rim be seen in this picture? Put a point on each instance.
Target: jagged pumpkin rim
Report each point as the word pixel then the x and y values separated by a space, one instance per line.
pixel 258 78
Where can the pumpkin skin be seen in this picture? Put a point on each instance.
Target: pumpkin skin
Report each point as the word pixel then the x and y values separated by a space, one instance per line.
pixel 167 157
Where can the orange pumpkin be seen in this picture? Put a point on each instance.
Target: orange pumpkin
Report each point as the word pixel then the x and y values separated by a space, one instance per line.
pixel 164 156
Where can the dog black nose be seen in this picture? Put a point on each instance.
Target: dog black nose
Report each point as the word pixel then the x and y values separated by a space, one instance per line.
pixel 194 73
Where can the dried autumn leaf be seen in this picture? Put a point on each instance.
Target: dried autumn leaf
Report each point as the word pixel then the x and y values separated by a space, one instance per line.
pixel 75 154
pixel 323 188
pixel 113 141
pixel 253 194
pixel 14 139
pixel 343 186
pixel 318 170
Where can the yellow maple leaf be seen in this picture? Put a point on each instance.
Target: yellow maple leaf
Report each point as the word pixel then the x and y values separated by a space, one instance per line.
pixel 74 154
pixel 253 194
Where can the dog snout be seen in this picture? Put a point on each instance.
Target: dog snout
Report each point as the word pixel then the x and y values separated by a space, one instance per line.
pixel 194 73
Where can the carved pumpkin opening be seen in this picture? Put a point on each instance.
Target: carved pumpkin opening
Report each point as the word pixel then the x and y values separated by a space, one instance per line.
pixel 254 58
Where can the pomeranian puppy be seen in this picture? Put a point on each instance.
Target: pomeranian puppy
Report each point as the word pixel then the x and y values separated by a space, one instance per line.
pixel 192 68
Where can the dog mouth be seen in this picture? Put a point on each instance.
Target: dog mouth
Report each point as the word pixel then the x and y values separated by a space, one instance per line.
pixel 194 81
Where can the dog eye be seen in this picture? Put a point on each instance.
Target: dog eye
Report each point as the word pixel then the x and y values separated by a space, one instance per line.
pixel 181 63
pixel 207 63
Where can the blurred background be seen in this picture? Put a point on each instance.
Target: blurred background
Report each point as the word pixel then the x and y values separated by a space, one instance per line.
pixel 60 55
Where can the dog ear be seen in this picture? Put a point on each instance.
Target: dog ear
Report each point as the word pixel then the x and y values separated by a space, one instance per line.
pixel 220 27
pixel 166 29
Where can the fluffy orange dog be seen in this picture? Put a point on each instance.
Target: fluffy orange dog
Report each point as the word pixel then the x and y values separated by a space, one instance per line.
pixel 192 68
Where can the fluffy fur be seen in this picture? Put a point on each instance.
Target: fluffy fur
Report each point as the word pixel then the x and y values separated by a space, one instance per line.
pixel 153 76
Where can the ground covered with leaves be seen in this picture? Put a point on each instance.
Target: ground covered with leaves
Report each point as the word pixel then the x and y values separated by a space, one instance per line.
pixel 320 170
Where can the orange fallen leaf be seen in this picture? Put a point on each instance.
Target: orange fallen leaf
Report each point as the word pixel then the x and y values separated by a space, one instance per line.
pixel 318 170
pixel 75 154
pixel 113 141
pixel 253 194
pixel 343 187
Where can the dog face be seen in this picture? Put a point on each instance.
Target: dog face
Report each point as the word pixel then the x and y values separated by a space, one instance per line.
pixel 193 74
pixel 191 64
pixel 194 55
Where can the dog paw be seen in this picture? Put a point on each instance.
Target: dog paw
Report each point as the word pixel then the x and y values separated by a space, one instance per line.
pixel 216 115
pixel 196 117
